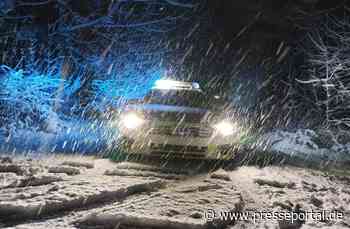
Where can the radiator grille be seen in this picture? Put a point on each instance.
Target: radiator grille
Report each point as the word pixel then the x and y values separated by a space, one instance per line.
pixel 200 132
pixel 178 148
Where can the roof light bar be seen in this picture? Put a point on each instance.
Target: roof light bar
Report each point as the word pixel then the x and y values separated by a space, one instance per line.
pixel 173 84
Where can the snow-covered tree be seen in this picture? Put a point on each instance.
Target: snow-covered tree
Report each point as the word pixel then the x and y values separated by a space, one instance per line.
pixel 83 47
pixel 325 77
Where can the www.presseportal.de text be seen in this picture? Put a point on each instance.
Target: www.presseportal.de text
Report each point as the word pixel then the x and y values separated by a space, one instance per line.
pixel 255 216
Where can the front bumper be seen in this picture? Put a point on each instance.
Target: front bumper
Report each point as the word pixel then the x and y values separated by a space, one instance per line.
pixel 213 147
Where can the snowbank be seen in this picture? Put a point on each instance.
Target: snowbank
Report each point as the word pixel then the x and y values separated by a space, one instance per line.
pixel 66 136
pixel 308 145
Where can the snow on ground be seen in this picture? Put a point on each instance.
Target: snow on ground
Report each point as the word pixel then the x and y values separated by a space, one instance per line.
pixel 38 191
pixel 172 194
pixel 274 189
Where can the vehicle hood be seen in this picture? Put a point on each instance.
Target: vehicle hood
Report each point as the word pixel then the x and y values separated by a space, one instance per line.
pixel 172 113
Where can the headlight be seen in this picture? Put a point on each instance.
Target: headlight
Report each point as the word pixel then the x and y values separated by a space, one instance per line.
pixel 225 128
pixel 132 121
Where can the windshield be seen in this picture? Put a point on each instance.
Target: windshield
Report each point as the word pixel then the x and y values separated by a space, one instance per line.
pixel 186 98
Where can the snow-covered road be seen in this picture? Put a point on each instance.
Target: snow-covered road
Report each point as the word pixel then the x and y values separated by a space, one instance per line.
pixel 86 192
